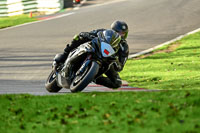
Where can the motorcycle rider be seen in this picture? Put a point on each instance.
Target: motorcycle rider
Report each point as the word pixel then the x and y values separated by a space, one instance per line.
pixel 113 79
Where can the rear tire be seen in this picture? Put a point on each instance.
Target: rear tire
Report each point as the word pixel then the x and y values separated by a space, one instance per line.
pixel 86 79
pixel 51 84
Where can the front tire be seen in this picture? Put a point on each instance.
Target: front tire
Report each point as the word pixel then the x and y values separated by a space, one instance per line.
pixel 86 78
pixel 51 84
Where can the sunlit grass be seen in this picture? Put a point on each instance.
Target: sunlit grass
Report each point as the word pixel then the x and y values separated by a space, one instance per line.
pixel 141 112
pixel 15 20
pixel 179 69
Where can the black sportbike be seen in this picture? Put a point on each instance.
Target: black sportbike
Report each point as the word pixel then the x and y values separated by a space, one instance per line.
pixel 85 63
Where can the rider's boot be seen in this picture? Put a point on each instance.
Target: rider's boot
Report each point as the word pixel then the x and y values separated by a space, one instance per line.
pixel 60 58
pixel 105 81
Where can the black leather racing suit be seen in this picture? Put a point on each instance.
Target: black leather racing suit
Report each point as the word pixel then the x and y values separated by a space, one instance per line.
pixel 113 79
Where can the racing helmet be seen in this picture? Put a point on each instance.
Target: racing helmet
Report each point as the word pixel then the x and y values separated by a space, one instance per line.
pixel 120 27
pixel 111 37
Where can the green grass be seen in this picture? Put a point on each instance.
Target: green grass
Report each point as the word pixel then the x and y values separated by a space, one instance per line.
pixel 173 111
pixel 15 20
pixel 139 112
pixel 179 69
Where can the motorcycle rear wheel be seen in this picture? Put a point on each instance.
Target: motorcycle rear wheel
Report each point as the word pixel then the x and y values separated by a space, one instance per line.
pixel 79 83
pixel 51 84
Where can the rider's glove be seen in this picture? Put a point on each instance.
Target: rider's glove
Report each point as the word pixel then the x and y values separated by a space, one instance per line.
pixel 86 35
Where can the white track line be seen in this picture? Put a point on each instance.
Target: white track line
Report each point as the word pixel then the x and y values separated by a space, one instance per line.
pixel 60 16
pixel 50 18
pixel 163 44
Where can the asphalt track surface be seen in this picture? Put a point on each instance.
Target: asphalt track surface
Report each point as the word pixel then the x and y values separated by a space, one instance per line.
pixel 26 52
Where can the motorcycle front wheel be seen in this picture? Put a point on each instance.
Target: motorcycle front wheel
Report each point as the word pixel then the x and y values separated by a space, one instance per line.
pixel 51 83
pixel 82 80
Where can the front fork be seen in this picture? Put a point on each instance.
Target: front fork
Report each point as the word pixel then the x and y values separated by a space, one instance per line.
pixel 84 65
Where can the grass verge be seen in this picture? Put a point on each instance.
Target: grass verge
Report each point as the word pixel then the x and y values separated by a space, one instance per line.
pixel 15 20
pixel 175 67
pixel 140 112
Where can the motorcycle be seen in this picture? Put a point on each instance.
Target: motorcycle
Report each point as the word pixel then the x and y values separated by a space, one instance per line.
pixel 85 63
